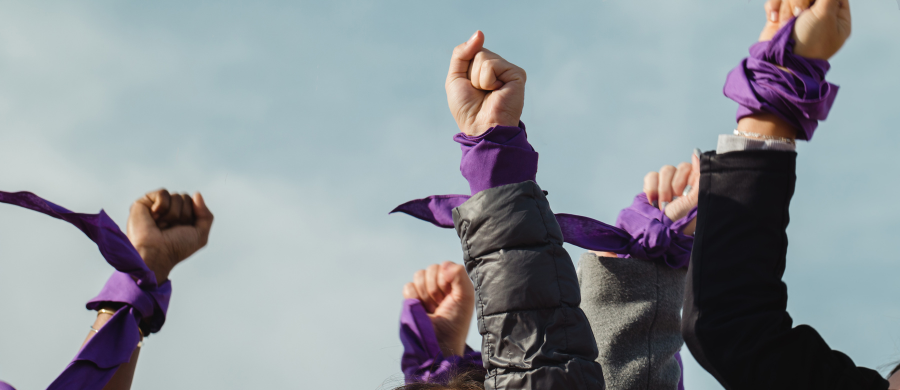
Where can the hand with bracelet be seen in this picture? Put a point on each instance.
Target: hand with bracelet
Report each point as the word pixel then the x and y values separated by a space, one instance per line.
pixel 820 30
pixel 165 229
pixel 736 298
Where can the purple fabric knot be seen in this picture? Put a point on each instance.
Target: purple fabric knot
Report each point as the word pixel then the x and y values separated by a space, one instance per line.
pixel 422 359
pixel 133 286
pixel 801 96
pixel 654 235
pixel 641 230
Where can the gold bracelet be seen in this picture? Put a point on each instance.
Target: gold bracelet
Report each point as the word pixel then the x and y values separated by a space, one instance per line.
pixel 141 342
pixel 764 137
pixel 106 311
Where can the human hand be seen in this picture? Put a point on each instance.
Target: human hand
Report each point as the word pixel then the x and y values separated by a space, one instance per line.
pixel 448 296
pixel 483 89
pixel 820 30
pixel 168 228
pixel 661 187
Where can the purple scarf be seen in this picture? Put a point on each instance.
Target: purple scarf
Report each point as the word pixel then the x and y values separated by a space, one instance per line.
pixel 501 156
pixel 801 97
pixel 422 358
pixel 641 231
pixel 133 286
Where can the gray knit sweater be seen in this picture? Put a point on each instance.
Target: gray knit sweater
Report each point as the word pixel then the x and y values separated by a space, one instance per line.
pixel 633 306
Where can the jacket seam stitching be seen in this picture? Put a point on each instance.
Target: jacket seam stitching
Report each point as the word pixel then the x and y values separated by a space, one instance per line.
pixel 650 330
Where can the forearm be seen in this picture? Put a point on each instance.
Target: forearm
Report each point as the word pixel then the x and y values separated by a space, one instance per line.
pixel 634 306
pixel 535 334
pixel 734 295
pixel 124 375
pixel 735 318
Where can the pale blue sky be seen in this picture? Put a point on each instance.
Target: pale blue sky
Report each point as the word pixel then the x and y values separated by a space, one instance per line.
pixel 304 123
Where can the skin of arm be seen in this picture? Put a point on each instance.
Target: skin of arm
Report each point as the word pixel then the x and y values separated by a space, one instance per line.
pixel 820 31
pixel 165 229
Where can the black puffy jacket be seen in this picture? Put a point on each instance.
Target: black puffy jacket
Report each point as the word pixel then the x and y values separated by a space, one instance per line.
pixel 527 295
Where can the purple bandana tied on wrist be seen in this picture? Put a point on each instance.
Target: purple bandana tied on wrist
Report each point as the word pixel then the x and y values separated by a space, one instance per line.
pixel 800 96
pixel 422 359
pixel 655 234
pixel 133 287
pixel 502 155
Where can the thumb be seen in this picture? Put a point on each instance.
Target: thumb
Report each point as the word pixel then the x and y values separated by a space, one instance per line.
pixel 464 53
pixel 203 217
pixel 139 218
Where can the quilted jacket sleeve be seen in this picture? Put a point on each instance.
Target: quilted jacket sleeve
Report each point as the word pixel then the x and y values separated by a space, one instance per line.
pixel 534 334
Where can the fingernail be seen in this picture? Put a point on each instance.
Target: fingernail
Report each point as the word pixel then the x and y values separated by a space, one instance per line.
pixel 473 37
pixel 697 152
pixel 797 11
pixel 664 204
pixel 774 16
pixel 687 190
pixel 655 204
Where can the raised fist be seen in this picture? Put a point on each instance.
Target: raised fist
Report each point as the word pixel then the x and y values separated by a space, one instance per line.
pixel 675 190
pixel 820 30
pixel 483 89
pixel 449 298
pixel 168 228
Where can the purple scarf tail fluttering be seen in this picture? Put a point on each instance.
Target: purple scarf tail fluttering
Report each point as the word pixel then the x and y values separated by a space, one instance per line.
pixel 422 359
pixel 801 96
pixel 133 285
pixel 641 231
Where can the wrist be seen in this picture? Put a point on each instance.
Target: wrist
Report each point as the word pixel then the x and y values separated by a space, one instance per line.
pixel 453 348
pixel 766 124
pixel 478 129
pixel 158 262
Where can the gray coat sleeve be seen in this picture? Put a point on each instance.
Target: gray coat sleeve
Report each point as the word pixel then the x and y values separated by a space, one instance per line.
pixel 534 334
pixel 634 307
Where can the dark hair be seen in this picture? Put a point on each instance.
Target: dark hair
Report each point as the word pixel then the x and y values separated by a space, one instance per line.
pixel 465 380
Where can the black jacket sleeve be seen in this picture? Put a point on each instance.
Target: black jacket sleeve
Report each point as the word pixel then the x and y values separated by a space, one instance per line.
pixel 527 295
pixel 735 320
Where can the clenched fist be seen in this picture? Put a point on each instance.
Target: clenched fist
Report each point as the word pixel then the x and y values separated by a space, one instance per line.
pixel 167 228
pixel 675 190
pixel 483 89
pixel 449 298
pixel 820 30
